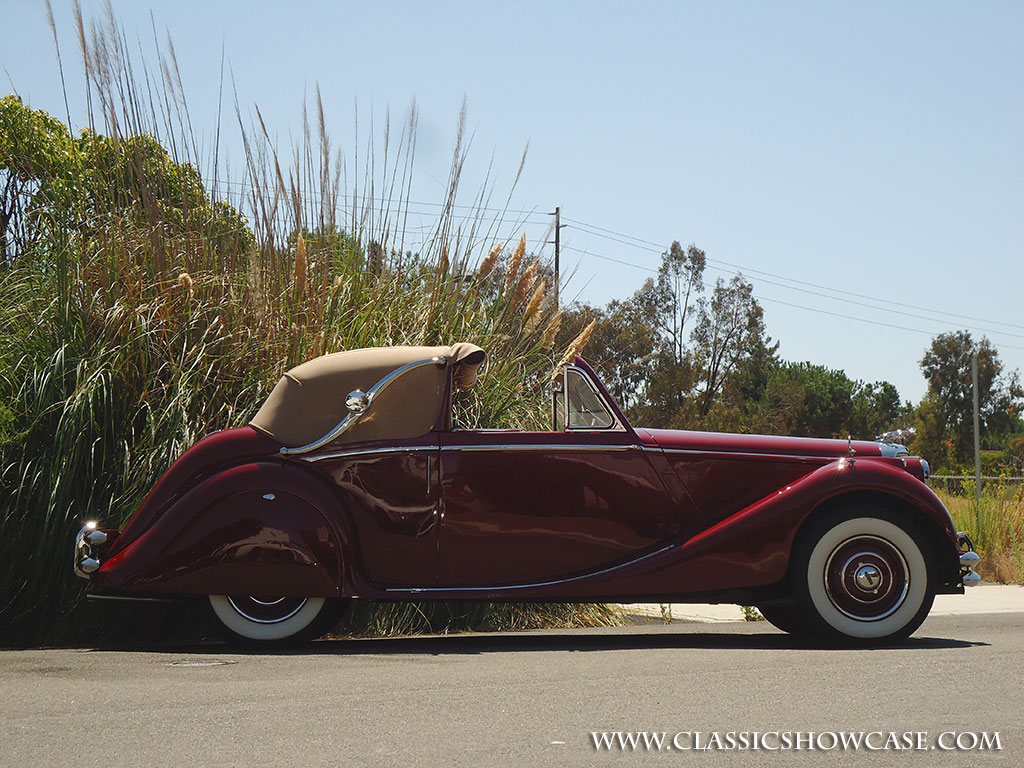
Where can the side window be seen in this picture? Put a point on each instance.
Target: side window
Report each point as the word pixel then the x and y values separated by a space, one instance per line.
pixel 585 411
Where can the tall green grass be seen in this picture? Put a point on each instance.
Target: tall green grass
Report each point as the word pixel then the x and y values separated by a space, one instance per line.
pixel 137 326
pixel 370 619
pixel 995 524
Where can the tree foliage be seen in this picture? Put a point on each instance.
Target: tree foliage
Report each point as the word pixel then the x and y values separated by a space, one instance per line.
pixel 729 325
pixel 55 186
pixel 676 357
pixel 36 162
pixel 949 407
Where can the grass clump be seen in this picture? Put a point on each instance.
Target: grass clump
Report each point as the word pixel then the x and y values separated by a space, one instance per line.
pixel 372 619
pixel 995 524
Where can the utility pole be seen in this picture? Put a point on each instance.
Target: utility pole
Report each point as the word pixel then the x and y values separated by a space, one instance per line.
pixel 977 439
pixel 558 227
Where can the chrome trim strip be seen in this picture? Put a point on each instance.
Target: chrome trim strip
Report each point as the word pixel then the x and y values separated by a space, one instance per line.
pixel 535 585
pixel 484 429
pixel 745 455
pixel 351 418
pixel 91 597
pixel 565 447
pixel 539 447
pixel 471 447
pixel 369 452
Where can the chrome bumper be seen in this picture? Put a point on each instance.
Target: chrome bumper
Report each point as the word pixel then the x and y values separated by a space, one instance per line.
pixel 87 544
pixel 968 560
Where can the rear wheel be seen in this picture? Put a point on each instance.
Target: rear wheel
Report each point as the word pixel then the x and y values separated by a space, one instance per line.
pixel 270 620
pixel 861 576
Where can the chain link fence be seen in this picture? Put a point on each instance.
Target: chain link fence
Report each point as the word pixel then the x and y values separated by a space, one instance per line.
pixel 959 485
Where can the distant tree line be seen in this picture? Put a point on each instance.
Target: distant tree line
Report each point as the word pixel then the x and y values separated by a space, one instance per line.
pixel 682 354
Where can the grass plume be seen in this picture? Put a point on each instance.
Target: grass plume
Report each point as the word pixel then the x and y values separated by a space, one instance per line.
pixel 142 308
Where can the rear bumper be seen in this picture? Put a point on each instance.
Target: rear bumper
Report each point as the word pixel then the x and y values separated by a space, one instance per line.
pixel 91 546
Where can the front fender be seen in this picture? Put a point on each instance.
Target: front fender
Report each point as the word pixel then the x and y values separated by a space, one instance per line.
pixel 752 547
pixel 263 528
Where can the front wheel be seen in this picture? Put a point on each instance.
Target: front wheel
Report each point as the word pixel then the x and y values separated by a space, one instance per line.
pixel 271 620
pixel 862 577
pixel 785 615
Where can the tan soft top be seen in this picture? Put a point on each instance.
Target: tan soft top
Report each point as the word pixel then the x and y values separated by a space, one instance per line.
pixel 309 400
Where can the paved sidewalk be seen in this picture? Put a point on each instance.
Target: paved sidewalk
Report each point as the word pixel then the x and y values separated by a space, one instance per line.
pixel 984 598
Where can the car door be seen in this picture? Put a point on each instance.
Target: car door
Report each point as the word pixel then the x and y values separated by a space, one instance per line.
pixel 391 492
pixel 526 507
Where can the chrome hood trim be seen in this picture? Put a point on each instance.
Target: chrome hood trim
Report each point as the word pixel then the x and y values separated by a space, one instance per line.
pixel 892 450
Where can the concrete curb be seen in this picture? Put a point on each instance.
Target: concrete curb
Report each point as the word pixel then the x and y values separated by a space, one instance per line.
pixel 984 598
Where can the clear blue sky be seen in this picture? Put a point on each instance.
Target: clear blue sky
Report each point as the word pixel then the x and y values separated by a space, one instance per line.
pixel 870 148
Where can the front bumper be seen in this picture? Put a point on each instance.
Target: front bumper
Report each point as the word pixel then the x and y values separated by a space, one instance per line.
pixel 969 560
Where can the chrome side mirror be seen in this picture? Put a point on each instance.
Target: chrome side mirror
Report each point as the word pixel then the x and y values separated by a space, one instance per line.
pixel 357 401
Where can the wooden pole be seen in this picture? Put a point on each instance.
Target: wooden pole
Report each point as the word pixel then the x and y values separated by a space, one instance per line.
pixel 558 228
pixel 977 444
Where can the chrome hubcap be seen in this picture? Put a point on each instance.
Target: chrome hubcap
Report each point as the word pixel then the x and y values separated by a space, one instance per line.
pixel 868 578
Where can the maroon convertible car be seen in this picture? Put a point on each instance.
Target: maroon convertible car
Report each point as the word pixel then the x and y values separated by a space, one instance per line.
pixel 352 481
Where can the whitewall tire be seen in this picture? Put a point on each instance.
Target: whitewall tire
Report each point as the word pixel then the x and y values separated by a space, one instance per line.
pixel 269 620
pixel 864 577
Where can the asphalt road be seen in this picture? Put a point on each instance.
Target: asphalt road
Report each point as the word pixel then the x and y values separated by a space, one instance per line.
pixel 515 699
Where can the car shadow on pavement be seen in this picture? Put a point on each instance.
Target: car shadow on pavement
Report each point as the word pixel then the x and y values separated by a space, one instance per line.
pixel 579 640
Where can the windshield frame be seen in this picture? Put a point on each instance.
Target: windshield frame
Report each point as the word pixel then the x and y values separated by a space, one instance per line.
pixel 560 404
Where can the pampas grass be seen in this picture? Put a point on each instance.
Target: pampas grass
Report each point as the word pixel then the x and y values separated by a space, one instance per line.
pixel 577 346
pixel 126 339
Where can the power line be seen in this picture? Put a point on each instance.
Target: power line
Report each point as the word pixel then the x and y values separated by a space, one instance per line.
pixel 870 306
pixel 787 303
pixel 862 319
pixel 609 258
pixel 373 199
pixel 412 207
pixel 619 234
pixel 648 245
pixel 346 207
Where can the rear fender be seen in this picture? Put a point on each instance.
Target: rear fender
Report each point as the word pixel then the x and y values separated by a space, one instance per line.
pixel 264 528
